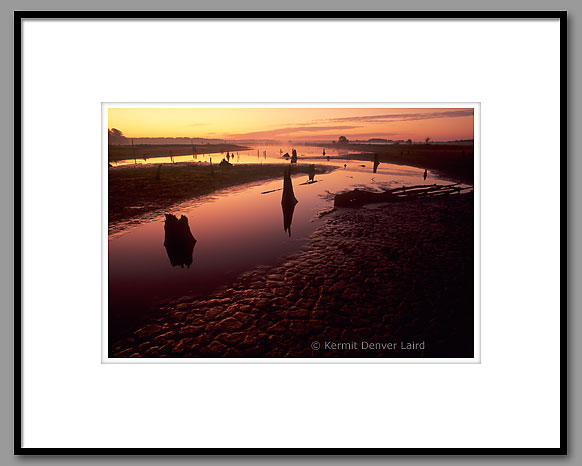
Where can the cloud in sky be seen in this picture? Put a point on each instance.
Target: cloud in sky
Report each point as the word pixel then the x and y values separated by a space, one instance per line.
pixel 295 123
pixel 323 127
pixel 289 130
pixel 396 117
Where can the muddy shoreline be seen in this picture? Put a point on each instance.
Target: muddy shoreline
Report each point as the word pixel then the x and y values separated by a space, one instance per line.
pixel 136 191
pixel 389 273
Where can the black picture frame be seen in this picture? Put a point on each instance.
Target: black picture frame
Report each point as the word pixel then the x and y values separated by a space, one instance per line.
pixel 19 16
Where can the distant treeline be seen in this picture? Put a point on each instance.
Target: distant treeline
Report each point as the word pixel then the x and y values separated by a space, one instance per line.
pixel 117 138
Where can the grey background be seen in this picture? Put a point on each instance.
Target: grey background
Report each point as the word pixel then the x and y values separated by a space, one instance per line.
pixel 574 8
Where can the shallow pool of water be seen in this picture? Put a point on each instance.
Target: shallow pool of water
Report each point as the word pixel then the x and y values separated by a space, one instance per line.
pixel 235 230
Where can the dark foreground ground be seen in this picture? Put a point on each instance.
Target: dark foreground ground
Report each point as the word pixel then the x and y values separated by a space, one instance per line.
pixel 136 191
pixel 392 273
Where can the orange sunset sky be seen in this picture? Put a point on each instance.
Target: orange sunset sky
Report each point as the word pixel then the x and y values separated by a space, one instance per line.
pixel 297 124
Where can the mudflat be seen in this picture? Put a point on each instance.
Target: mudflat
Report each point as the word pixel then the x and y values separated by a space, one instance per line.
pixel 135 191
pixel 395 281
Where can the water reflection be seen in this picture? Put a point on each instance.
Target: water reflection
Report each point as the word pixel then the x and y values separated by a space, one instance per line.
pixel 288 201
pixel 178 240
pixel 237 229
pixel 268 153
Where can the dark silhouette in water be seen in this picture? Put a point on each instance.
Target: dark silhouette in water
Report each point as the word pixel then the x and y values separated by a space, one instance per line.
pixel 288 201
pixel 223 163
pixel 286 154
pixel 311 172
pixel 294 156
pixel 178 240
pixel 425 173
pixel 358 197
pixel 376 162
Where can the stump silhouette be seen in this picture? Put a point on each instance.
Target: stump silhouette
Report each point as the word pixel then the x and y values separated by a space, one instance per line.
pixel 294 156
pixel 311 172
pixel 178 240
pixel 376 162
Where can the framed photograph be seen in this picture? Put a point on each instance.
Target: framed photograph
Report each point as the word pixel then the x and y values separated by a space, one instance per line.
pixel 228 246
pixel 243 232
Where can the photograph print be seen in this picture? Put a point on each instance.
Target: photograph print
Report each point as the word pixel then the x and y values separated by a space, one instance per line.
pixel 301 232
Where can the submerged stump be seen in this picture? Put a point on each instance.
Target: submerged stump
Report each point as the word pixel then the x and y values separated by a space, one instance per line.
pixel 178 240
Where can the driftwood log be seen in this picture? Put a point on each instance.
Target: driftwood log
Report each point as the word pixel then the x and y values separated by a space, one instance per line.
pixel 358 197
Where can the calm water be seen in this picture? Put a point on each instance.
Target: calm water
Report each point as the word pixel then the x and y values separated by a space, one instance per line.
pixel 258 154
pixel 236 230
